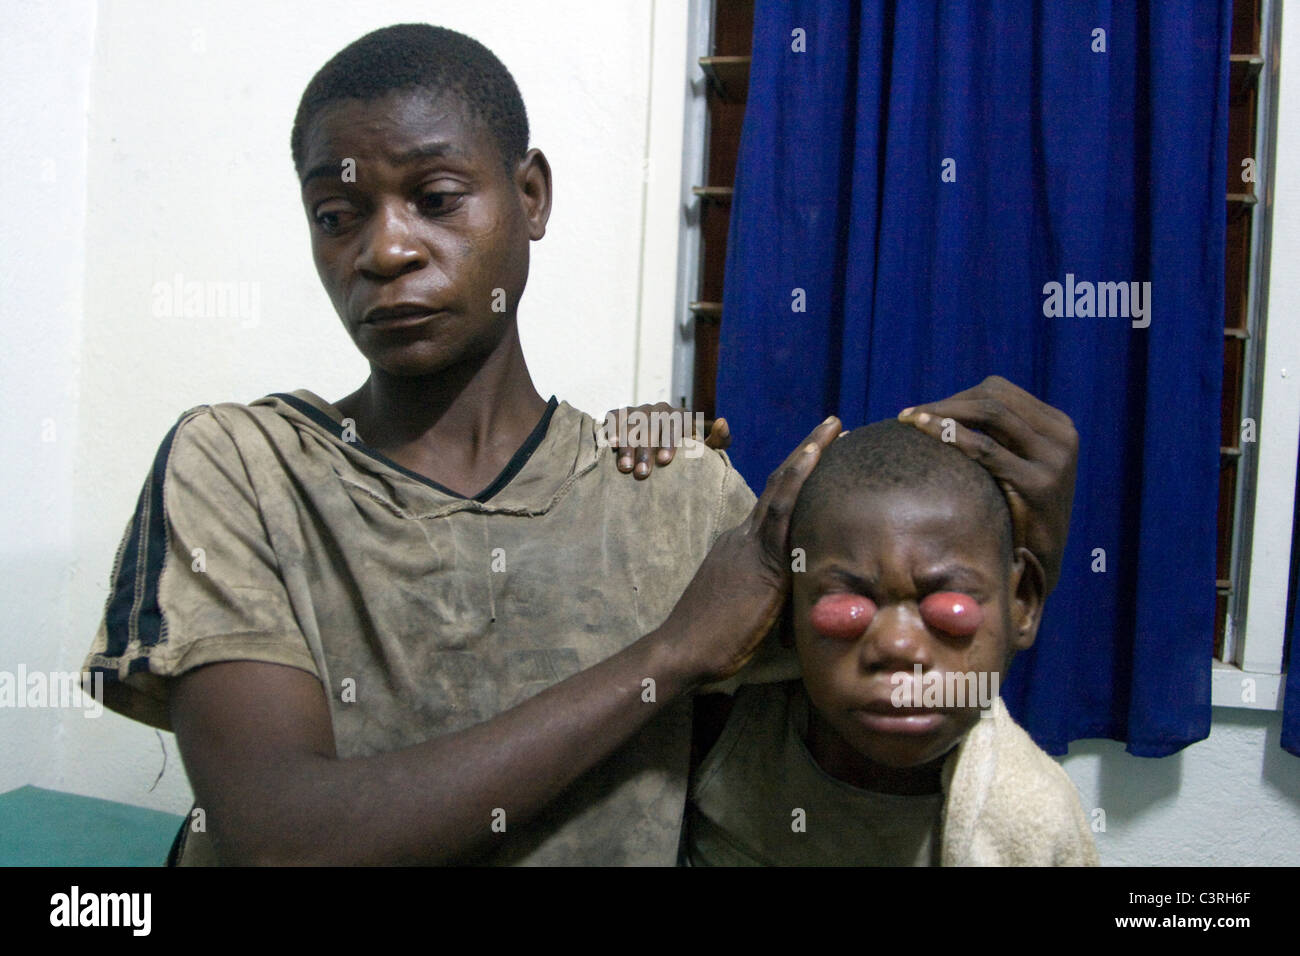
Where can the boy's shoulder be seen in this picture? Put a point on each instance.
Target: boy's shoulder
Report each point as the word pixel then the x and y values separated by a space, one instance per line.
pixel 1010 804
pixel 696 474
pixel 1038 773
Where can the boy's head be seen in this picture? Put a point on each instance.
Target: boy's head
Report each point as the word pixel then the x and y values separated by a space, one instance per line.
pixel 411 145
pixel 910 564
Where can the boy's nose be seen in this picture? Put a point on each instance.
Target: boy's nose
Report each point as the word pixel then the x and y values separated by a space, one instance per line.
pixel 390 246
pixel 896 640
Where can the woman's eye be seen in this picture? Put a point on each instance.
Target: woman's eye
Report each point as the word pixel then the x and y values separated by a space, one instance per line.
pixel 953 613
pixel 842 616
pixel 442 202
pixel 331 220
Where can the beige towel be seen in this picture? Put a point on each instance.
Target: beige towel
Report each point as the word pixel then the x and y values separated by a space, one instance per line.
pixel 1009 804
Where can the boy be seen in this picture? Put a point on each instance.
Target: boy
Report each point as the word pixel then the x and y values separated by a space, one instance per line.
pixel 895 748
pixel 431 621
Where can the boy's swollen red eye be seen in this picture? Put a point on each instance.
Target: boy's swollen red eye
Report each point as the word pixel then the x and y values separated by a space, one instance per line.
pixel 953 613
pixel 843 616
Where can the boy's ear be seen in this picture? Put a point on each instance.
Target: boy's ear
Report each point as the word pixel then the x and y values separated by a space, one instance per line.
pixel 1028 591
pixel 533 180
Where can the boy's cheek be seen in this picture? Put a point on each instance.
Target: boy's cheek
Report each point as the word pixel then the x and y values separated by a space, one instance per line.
pixel 801 638
pixel 820 672
pixel 827 667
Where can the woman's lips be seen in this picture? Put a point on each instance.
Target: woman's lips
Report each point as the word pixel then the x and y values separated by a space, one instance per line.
pixel 403 319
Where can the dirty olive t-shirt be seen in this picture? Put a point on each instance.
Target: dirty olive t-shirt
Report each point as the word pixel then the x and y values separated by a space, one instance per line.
pixel 270 532
pixel 759 798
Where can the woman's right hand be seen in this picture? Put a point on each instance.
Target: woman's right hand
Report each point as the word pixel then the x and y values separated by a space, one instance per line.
pixel 737 593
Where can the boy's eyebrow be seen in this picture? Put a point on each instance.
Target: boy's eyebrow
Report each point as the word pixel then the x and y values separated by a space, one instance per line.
pixel 431 150
pixel 949 575
pixel 845 576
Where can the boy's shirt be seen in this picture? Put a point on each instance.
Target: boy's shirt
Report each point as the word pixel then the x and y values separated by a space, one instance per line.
pixel 262 534
pixel 759 798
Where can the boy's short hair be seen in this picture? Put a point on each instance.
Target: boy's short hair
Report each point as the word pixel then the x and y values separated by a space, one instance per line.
pixel 418 56
pixel 889 455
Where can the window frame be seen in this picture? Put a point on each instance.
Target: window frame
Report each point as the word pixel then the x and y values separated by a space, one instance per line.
pixel 1265 497
pixel 1266 492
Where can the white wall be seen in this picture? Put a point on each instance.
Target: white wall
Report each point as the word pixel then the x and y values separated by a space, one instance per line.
pixel 1230 800
pixel 144 140
pixel 46 78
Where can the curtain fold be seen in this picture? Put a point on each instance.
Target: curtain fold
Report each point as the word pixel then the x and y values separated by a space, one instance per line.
pixel 912 181
pixel 1291 687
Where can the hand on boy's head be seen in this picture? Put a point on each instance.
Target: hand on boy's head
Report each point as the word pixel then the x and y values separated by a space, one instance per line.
pixel 1031 448
pixel 739 590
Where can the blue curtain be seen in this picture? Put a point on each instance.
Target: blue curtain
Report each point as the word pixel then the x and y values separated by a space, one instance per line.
pixel 912 177
pixel 1291 691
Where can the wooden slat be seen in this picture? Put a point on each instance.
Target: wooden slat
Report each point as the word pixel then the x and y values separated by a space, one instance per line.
pixel 711 311
pixel 719 194
pixel 1244 69
pixel 728 76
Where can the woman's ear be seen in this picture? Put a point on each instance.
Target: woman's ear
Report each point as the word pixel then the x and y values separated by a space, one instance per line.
pixel 1028 587
pixel 533 180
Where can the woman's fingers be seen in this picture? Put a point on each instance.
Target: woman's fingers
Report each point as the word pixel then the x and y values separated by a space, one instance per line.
pixel 770 519
pixel 648 435
pixel 1031 449
pixel 719 436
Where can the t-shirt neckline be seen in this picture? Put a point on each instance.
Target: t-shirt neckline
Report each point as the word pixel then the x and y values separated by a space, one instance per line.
pixel 331 424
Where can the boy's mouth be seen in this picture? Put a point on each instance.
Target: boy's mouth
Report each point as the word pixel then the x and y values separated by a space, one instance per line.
pixel 895 714
pixel 888 719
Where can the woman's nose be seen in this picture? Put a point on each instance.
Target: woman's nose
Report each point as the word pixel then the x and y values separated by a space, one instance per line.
pixel 389 247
